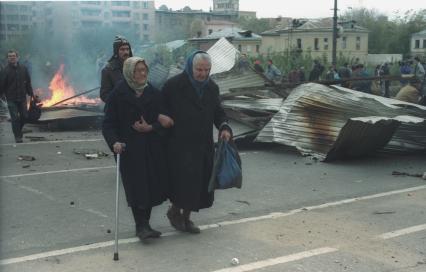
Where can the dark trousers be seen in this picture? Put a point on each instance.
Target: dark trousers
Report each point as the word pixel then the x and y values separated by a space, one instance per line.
pixel 18 115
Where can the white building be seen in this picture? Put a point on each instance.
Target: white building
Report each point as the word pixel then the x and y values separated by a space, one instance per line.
pixel 418 44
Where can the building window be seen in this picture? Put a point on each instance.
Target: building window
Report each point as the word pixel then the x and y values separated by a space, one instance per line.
pixel 136 4
pixel 13 27
pixel 316 44
pixel 121 13
pixel 299 43
pixel 325 43
pixel 145 16
pixel 257 48
pixel 343 42
pixel 12 17
pixel 146 37
pixel 239 47
pixel 210 31
pixel 145 4
pixel 424 43
pixel 90 12
pixel 145 26
pixel 358 43
pixel 120 3
pixel 417 44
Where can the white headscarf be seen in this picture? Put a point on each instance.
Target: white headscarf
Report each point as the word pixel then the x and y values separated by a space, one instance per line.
pixel 128 73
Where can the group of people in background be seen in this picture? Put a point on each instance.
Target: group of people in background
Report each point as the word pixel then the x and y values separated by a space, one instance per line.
pixel 351 76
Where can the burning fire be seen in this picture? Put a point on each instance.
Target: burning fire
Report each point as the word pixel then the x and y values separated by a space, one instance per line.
pixel 62 90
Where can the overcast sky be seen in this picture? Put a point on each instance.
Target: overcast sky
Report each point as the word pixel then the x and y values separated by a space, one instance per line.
pixel 302 8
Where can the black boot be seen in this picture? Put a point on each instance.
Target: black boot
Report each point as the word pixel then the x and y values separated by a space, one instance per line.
pixel 189 225
pixel 175 218
pixel 143 229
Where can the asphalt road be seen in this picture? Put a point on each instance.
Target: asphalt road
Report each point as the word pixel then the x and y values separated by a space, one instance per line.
pixel 292 214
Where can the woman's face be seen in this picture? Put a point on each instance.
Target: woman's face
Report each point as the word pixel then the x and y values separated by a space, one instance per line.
pixel 140 74
pixel 201 70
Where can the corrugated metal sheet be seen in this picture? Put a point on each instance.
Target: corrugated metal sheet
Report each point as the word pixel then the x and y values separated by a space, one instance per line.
pixel 223 55
pixel 325 122
pixel 238 80
pixel 65 113
pixel 266 104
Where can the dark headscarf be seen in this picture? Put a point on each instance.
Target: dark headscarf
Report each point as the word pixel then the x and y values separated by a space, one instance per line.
pixel 199 86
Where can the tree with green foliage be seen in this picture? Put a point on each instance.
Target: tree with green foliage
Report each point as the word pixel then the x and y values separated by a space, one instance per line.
pixel 388 36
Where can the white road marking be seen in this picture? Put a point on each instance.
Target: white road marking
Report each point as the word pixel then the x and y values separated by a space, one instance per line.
pixel 53 142
pixel 396 233
pixel 58 171
pixel 279 260
pixel 211 226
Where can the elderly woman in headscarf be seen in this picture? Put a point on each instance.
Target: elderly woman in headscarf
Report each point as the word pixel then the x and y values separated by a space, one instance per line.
pixel 133 127
pixel 192 100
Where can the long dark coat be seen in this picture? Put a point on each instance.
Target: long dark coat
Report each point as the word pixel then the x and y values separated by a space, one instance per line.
pixel 143 164
pixel 190 145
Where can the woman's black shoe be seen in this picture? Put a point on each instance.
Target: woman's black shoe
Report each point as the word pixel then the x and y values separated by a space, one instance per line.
pixel 191 227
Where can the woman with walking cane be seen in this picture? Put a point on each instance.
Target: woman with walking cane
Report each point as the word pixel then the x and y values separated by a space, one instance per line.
pixel 133 127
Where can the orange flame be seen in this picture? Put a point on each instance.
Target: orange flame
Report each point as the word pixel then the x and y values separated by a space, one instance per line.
pixel 61 90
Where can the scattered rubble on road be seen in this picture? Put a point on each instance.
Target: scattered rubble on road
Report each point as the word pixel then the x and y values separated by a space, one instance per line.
pixel 90 153
pixel 26 158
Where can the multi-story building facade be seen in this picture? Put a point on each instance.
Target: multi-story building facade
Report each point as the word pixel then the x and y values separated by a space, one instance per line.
pixel 316 36
pixel 64 19
pixel 15 19
pixel 184 24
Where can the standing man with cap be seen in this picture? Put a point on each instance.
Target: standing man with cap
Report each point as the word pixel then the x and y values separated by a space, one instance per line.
pixel 16 85
pixel 113 71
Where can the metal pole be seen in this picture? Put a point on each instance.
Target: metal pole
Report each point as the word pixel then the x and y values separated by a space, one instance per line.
pixel 74 96
pixel 117 188
pixel 333 54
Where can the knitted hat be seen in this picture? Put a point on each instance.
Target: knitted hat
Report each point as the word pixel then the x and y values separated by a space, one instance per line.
pixel 118 42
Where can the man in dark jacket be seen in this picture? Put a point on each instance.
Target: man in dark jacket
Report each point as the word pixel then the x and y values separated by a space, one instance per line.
pixel 113 71
pixel 15 86
pixel 192 101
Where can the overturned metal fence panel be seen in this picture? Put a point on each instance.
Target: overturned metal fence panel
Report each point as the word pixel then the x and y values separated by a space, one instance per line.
pixel 335 122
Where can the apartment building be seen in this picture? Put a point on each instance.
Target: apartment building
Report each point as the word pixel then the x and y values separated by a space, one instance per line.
pixel 15 19
pixel 316 36
pixel 63 19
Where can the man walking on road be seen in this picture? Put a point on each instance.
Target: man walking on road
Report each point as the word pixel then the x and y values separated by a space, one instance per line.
pixel 113 71
pixel 15 86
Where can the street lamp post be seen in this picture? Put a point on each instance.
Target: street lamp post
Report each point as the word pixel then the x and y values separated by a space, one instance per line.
pixel 333 53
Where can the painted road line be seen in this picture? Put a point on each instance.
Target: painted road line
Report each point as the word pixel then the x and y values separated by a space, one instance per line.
pixel 396 233
pixel 279 260
pixel 210 226
pixel 53 142
pixel 58 171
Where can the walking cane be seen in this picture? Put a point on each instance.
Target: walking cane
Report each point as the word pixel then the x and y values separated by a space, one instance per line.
pixel 117 188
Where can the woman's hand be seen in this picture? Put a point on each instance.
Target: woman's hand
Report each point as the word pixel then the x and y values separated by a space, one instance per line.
pixel 225 135
pixel 165 121
pixel 142 126
pixel 118 147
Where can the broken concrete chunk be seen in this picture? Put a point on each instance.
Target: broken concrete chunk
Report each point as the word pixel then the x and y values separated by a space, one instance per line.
pixel 26 158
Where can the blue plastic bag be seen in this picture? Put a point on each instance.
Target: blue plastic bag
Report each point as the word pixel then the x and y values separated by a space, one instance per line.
pixel 227 171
